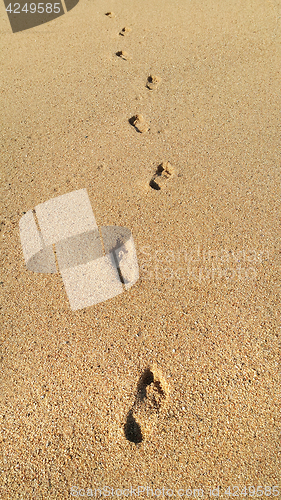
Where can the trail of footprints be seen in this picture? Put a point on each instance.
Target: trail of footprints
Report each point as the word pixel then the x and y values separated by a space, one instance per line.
pixel 151 399
pixel 152 389
pixel 164 171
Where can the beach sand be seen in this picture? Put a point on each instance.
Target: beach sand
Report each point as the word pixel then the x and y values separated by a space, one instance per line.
pixel 195 84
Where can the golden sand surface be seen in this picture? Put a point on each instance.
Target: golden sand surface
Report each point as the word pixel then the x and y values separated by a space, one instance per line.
pixel 175 383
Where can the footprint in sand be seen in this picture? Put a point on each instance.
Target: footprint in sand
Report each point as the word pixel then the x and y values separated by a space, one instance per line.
pixel 125 31
pixel 139 123
pixel 164 172
pixel 124 55
pixel 153 82
pixel 152 396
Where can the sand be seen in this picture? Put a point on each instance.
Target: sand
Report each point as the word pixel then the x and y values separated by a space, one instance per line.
pixel 174 384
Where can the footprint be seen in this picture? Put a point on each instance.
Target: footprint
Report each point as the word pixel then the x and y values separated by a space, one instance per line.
pixel 153 82
pixel 124 55
pixel 125 31
pixel 164 172
pixel 139 123
pixel 152 396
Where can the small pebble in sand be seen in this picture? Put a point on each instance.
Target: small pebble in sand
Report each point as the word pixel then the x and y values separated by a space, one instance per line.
pixel 110 14
pixel 125 31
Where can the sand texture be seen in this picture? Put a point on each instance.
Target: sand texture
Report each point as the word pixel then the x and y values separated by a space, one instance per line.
pixel 168 113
